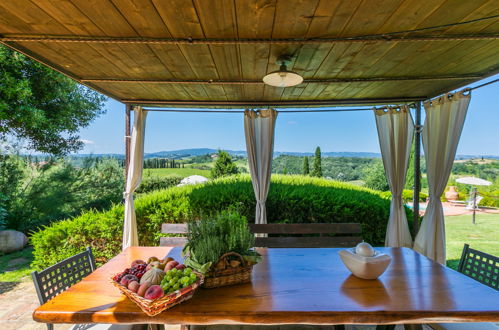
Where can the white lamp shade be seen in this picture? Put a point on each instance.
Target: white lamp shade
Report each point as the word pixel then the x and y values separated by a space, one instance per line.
pixel 283 79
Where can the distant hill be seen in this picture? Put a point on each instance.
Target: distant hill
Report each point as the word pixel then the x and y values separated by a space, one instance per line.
pixel 185 153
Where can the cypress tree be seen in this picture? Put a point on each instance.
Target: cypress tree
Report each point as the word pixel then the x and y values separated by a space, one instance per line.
pixel 306 167
pixel 317 171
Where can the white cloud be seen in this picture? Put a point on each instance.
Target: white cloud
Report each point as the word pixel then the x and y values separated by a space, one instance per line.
pixel 87 141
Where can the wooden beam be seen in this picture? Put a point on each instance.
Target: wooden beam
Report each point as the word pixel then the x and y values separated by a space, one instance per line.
pixel 260 82
pixel 241 41
pixel 46 62
pixel 292 103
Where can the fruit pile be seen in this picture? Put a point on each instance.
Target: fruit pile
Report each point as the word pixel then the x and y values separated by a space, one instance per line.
pixel 177 278
pixel 155 278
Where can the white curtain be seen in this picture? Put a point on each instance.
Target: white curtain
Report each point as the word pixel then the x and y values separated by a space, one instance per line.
pixel 130 236
pixel 395 132
pixel 441 132
pixel 259 129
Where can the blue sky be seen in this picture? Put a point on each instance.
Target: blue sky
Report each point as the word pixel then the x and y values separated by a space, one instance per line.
pixel 301 132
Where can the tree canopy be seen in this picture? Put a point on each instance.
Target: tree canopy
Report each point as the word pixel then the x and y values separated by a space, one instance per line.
pixel 43 107
pixel 223 165
pixel 317 168
pixel 306 167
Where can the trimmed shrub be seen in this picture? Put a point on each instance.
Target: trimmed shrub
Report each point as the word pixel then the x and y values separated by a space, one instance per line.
pixel 291 199
pixel 152 183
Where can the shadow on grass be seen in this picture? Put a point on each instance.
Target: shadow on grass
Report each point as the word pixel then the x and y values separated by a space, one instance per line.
pixel 453 263
pixel 14 268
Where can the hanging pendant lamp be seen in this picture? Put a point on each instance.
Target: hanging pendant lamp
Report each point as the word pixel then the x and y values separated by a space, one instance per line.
pixel 283 77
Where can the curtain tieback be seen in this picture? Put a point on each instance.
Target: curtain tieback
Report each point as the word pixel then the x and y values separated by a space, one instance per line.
pixel 125 194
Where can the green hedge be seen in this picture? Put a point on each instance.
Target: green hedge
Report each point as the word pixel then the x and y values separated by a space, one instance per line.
pixel 292 199
pixel 152 183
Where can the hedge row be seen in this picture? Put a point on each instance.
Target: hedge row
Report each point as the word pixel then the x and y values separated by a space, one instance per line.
pixel 292 199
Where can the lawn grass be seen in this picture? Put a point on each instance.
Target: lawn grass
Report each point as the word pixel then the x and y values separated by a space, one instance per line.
pixel 15 267
pixel 483 236
pixel 183 172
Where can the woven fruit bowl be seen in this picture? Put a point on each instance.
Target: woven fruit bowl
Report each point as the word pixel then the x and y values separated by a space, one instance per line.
pixel 156 306
pixel 224 272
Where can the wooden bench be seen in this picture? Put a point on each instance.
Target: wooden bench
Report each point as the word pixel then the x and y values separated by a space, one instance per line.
pixel 289 235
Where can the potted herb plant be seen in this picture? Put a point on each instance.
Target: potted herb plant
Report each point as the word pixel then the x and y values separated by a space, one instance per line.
pixel 221 248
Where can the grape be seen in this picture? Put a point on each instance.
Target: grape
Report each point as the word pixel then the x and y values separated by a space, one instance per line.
pixel 193 276
pixel 187 271
pixel 176 287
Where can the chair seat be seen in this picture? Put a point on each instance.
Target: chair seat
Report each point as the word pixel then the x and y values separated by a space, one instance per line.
pixel 465 326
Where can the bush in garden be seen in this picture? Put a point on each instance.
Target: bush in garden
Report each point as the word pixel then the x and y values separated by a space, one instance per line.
pixel 291 199
pixel 152 183
pixel 36 194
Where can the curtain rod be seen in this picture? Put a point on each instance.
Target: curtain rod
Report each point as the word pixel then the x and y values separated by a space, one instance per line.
pixel 483 85
pixel 388 36
pixel 280 111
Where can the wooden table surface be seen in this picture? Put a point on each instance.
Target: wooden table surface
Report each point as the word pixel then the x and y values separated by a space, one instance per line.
pixel 292 286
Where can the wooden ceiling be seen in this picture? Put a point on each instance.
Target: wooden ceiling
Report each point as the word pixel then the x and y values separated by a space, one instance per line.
pixel 215 52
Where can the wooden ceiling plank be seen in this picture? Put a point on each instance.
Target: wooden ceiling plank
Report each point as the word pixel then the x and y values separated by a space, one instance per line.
pixel 117 56
pixel 226 57
pixel 198 56
pixel 290 19
pixel 255 19
pixel 32 16
pixel 146 21
pixel 403 52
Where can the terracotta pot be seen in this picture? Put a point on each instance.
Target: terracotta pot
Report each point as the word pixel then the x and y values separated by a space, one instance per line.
pixel 452 194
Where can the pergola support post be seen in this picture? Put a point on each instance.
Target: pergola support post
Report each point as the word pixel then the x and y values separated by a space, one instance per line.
pixel 128 109
pixel 417 169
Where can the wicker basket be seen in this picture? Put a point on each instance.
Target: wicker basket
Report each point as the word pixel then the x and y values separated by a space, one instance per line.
pixel 229 276
pixel 154 307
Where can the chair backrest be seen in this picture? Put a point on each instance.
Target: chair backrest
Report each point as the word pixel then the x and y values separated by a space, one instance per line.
pixel 480 266
pixel 300 235
pixel 59 277
pixel 173 228
pixel 289 235
pixel 470 204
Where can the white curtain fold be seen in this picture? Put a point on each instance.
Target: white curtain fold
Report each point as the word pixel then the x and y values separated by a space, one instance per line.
pixel 395 133
pixel 441 132
pixel 130 236
pixel 259 127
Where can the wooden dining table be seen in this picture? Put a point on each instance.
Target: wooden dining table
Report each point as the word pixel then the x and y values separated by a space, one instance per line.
pixel 292 286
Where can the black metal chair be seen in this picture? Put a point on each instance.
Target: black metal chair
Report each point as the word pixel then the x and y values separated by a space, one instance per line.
pixel 480 266
pixel 484 268
pixel 57 278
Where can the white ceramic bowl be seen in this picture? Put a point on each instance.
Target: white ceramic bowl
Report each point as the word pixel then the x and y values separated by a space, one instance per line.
pixel 368 268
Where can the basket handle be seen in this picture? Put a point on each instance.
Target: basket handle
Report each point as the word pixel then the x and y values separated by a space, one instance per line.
pixel 235 254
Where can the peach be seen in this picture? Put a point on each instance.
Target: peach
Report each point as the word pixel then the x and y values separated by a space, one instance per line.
pixel 173 263
pixel 133 286
pixel 180 267
pixel 154 292
pixel 127 279
pixel 167 260
pixel 143 288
